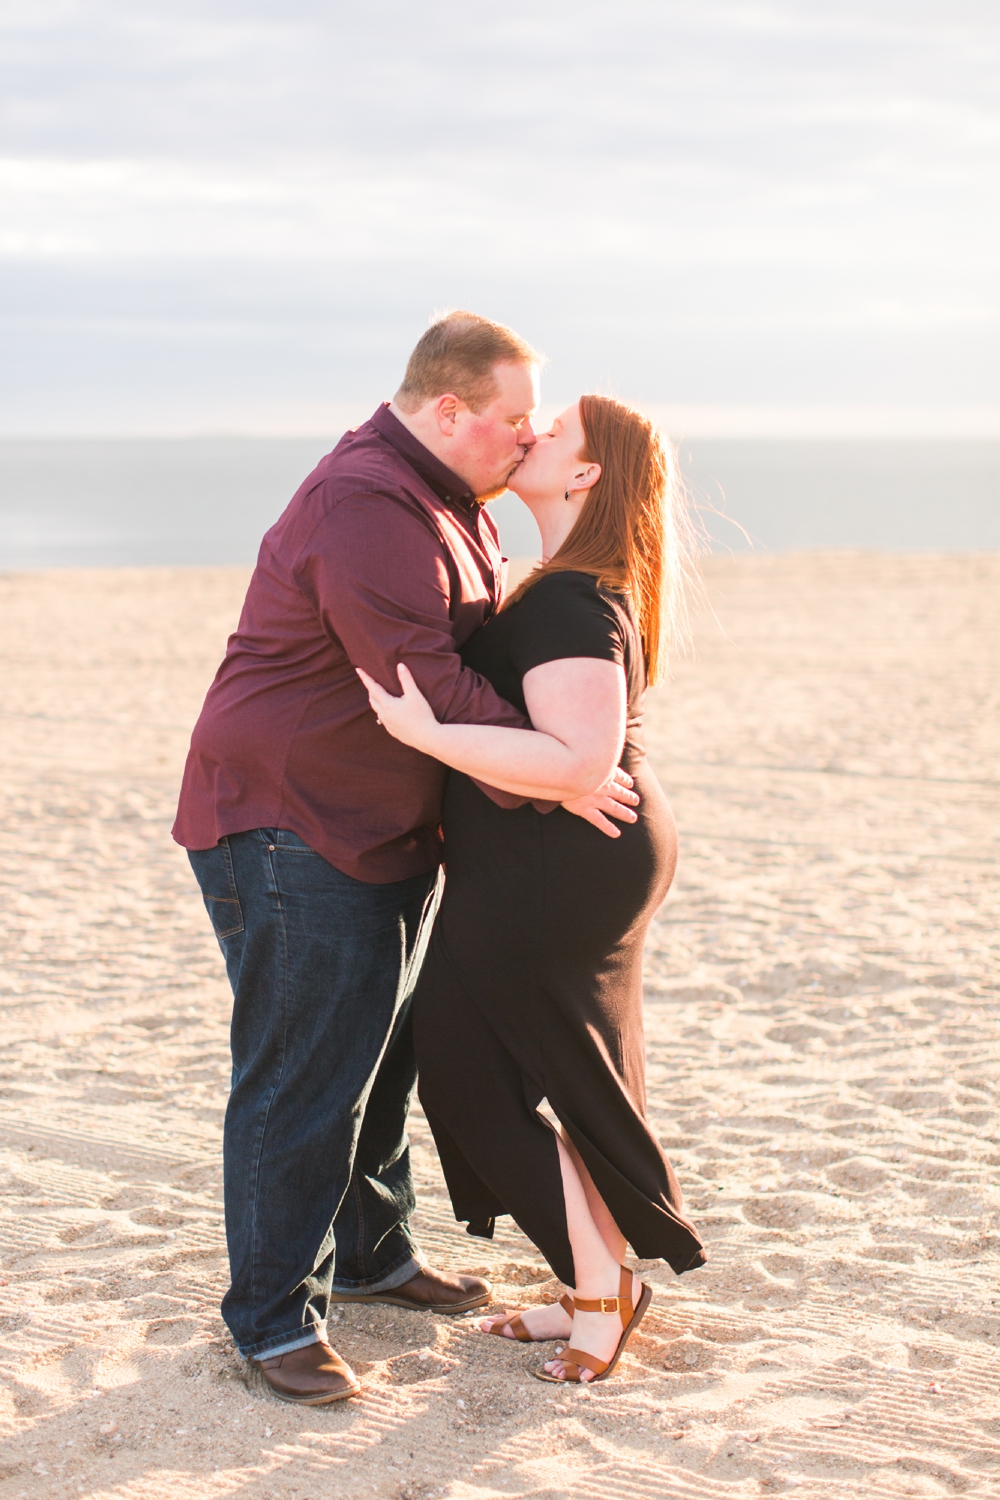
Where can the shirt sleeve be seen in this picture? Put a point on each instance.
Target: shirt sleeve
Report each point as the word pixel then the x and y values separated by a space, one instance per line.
pixel 379 579
pixel 565 615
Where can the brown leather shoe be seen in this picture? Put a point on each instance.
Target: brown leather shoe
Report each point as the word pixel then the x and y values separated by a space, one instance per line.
pixel 431 1291
pixel 313 1376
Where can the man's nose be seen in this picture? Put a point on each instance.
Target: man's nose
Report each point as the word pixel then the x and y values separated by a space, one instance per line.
pixel 526 435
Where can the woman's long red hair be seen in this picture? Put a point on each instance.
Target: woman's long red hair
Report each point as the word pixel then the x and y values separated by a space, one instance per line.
pixel 634 533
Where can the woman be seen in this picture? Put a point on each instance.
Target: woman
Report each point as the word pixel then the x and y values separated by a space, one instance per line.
pixel 532 987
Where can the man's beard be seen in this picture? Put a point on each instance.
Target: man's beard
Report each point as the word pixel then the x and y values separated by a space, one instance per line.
pixel 491 494
pixel 500 488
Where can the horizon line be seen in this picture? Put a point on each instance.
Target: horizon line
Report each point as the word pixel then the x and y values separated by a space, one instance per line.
pixel 680 421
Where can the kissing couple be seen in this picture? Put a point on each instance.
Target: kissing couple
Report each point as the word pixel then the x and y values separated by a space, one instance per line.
pixel 385 709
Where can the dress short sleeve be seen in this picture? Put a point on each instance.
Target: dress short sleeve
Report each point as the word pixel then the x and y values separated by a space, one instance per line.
pixel 565 614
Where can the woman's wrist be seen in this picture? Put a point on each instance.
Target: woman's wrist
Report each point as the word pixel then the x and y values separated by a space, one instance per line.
pixel 430 739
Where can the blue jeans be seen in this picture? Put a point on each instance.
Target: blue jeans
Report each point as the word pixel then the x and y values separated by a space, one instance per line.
pixel 318 1189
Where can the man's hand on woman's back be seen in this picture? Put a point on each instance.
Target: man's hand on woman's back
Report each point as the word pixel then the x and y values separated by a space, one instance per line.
pixel 615 799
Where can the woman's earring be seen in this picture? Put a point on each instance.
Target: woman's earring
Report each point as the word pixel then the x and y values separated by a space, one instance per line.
pixel 566 496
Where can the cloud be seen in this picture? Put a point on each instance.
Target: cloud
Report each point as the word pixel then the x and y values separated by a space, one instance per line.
pixel 709 202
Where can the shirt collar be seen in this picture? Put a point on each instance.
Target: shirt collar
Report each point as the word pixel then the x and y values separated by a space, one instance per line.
pixel 443 481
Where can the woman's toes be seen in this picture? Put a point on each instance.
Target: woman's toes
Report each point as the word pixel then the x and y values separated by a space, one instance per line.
pixel 486 1324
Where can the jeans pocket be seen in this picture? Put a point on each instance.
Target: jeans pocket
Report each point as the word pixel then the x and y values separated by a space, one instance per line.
pixel 214 871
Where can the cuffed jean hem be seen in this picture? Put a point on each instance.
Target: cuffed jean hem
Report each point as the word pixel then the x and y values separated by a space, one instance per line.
pixel 285 1343
pixel 397 1275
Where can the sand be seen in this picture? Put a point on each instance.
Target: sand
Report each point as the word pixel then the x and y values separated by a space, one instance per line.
pixel 823 1044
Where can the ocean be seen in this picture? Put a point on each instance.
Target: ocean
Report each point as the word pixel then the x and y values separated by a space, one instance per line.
pixel 162 501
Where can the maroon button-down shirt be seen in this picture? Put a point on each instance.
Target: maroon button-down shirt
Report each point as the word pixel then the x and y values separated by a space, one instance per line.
pixel 382 556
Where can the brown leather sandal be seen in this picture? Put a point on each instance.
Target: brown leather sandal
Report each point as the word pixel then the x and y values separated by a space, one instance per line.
pixel 517 1328
pixel 576 1360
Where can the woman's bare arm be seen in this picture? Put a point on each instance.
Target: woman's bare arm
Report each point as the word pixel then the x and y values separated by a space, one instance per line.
pixel 577 706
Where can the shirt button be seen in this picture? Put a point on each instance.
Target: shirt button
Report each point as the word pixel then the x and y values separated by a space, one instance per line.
pixel 271 847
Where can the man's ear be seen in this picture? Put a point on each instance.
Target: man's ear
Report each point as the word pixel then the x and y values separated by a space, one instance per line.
pixel 446 410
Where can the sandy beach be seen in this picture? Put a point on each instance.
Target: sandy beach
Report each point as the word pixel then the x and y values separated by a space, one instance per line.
pixel 823 1034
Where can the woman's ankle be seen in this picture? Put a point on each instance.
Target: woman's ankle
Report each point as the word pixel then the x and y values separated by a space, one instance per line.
pixel 599 1282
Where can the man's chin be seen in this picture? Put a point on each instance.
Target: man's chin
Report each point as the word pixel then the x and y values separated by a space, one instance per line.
pixel 501 487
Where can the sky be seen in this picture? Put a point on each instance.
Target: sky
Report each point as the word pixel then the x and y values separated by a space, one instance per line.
pixel 238 217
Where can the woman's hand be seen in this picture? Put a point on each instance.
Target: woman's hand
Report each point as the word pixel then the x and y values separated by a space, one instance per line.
pixel 409 717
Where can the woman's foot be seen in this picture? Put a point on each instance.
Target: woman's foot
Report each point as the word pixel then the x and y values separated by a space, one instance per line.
pixel 597 1333
pixel 550 1321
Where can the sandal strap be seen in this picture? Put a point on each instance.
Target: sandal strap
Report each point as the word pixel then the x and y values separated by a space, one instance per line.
pixel 512 1320
pixel 622 1304
pixel 579 1359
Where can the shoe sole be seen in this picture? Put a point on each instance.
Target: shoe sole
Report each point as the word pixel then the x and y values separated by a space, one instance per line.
pixel 449 1309
pixel 354 1390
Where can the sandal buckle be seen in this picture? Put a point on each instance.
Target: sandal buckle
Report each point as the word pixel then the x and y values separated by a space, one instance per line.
pixel 610 1304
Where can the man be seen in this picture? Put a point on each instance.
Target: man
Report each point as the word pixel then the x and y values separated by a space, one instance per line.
pixel 314 837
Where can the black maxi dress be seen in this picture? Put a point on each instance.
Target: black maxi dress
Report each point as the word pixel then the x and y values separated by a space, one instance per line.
pixel 532 985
